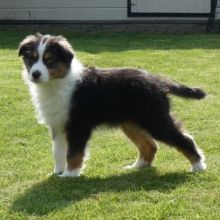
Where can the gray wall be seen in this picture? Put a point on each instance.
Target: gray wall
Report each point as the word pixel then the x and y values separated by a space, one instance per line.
pixel 172 6
pixel 63 10
pixel 87 10
pixel 218 11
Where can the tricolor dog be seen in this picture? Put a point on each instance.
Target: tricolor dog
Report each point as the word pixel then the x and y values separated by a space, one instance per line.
pixel 72 100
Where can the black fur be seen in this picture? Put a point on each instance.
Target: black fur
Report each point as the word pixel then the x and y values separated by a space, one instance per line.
pixel 115 96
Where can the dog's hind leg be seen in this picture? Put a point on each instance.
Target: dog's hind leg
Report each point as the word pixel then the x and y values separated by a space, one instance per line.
pixel 77 138
pixel 146 145
pixel 166 130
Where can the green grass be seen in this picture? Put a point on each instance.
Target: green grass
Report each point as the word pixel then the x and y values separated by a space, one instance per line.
pixel 105 191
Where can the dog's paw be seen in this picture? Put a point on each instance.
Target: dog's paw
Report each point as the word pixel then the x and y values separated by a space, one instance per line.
pixel 198 166
pixel 140 163
pixel 201 164
pixel 70 173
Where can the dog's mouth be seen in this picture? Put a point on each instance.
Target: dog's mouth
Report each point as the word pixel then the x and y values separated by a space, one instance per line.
pixel 36 81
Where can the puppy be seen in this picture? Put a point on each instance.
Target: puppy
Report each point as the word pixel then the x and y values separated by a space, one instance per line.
pixel 73 100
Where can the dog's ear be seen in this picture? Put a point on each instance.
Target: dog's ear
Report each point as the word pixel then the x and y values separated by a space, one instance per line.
pixel 64 48
pixel 26 45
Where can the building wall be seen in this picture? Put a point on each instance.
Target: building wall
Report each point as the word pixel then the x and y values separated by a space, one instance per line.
pixel 71 10
pixel 218 11
pixel 63 10
pixel 172 6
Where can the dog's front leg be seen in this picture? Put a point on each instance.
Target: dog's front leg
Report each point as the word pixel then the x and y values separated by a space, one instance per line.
pixel 76 141
pixel 59 151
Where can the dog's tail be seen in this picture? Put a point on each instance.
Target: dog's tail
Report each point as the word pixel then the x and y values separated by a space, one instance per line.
pixel 175 88
pixel 187 92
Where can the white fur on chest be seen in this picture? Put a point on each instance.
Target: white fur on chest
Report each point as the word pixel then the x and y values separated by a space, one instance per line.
pixel 52 99
pixel 53 102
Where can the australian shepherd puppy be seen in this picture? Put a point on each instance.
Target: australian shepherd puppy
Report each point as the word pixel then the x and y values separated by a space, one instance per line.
pixel 73 100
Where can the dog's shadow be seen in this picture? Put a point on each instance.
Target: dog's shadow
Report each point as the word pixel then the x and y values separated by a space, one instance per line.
pixel 57 193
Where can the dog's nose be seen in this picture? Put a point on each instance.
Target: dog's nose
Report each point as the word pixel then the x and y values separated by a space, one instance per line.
pixel 36 75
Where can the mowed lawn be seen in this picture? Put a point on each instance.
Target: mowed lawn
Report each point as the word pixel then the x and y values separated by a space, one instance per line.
pixel 105 190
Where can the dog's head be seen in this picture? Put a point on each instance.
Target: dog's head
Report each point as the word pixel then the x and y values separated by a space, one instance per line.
pixel 46 57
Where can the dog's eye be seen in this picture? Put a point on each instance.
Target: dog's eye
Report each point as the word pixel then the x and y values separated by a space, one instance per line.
pixel 28 53
pixel 50 62
pixel 30 58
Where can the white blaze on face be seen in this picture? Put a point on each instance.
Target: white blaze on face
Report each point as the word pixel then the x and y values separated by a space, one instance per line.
pixel 39 65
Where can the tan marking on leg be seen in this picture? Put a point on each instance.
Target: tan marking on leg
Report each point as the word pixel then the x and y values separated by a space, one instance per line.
pixel 146 145
pixel 76 162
